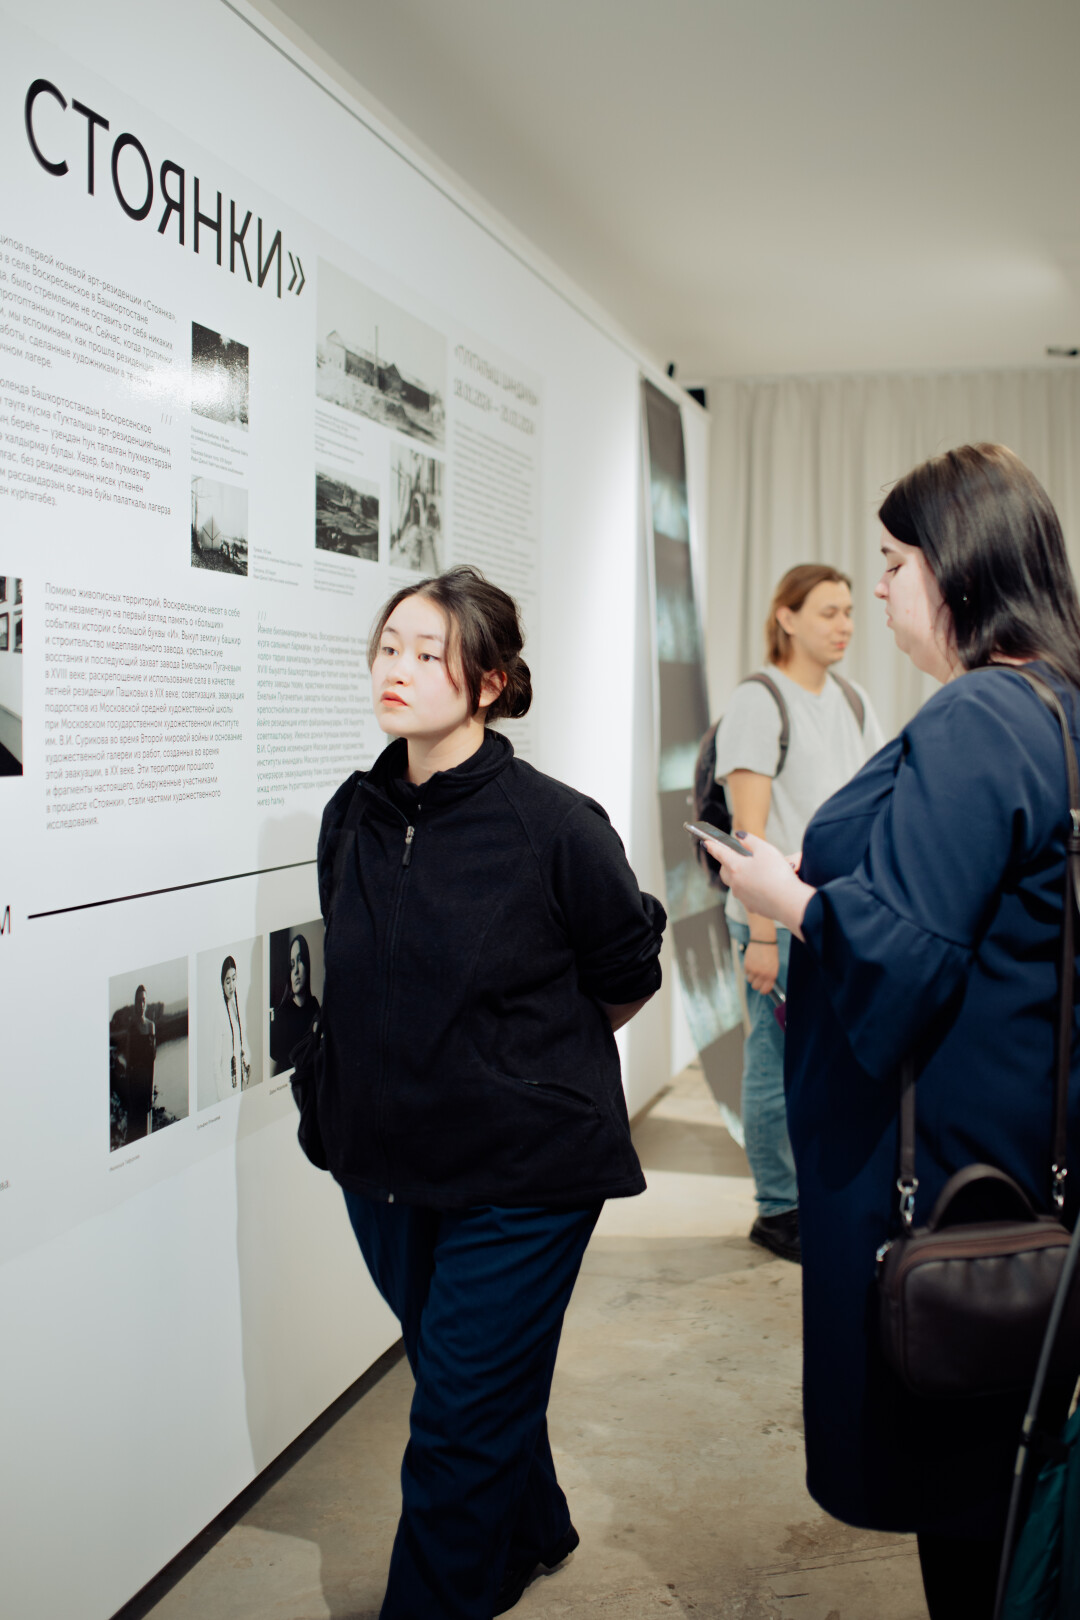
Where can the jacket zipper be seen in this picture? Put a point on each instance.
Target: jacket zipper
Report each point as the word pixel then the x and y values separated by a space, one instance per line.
pixel 391 943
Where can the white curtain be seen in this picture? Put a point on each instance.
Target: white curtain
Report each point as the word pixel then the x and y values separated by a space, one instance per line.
pixel 799 467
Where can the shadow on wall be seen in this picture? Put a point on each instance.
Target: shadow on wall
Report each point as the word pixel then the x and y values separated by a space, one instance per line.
pixel 305 1337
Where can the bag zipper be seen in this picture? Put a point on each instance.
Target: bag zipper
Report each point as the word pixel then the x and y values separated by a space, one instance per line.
pixel 1048 1235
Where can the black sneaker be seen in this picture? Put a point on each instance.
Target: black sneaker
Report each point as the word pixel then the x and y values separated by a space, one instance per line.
pixel 780 1233
pixel 517 1577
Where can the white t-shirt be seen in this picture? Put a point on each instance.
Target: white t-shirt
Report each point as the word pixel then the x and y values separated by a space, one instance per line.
pixel 825 750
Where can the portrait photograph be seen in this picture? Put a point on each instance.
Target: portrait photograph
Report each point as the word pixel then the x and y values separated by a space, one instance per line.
pixel 229 1023
pixel 148 1051
pixel 296 987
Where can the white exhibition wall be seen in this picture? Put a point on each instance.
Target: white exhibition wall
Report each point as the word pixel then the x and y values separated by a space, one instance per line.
pixel 204 454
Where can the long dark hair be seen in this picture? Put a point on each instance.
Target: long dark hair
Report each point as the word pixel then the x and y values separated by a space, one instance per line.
pixel 993 542
pixel 485 634
pixel 225 966
pixel 305 957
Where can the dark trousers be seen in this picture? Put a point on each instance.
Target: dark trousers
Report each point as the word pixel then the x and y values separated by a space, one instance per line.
pixel 480 1294
pixel 959 1576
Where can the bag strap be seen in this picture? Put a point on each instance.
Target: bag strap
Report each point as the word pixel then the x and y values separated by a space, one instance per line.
pixel 345 842
pixel 855 702
pixel 770 685
pixel 1058 1168
pixel 907 1182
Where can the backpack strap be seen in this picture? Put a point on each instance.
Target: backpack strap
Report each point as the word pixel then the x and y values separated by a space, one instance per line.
pixel 855 702
pixel 346 839
pixel 785 719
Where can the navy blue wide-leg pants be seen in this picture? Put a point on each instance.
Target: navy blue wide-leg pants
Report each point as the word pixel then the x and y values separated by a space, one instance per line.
pixel 480 1294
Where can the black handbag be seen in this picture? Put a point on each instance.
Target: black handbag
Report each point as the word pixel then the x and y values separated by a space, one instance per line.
pixel 964 1302
pixel 308 1057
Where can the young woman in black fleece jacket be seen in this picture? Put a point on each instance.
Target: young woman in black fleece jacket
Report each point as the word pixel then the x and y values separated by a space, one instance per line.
pixel 485 936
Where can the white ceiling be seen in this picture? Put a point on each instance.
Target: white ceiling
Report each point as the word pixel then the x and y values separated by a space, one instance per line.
pixel 762 186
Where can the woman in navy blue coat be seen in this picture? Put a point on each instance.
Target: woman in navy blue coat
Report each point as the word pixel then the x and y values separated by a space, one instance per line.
pixel 928 903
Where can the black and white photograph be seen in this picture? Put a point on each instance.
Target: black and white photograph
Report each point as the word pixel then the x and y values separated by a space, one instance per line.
pixel 346 516
pixel 219 526
pixel 148 1051
pixel 376 359
pixel 229 1021
pixel 219 377
pixel 296 987
pixel 11 681
pixel 416 505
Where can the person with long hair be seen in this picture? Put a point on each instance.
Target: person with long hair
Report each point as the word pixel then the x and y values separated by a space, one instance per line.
pixel 140 1051
pixel 298 1006
pixel 485 938
pixel 928 911
pixel 773 790
pixel 232 1067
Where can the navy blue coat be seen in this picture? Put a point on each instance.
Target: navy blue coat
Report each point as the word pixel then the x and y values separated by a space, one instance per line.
pixel 935 929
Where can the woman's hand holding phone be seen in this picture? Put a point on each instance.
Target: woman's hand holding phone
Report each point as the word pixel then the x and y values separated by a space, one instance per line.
pixel 767 884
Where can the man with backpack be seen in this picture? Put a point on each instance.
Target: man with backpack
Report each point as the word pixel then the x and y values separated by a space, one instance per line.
pixel 793 733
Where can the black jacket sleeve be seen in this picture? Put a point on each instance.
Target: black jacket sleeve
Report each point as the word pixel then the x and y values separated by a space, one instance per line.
pixel 615 929
pixel 332 819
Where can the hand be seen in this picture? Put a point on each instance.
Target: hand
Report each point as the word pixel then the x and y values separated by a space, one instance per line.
pixel 761 964
pixel 765 883
pixel 795 861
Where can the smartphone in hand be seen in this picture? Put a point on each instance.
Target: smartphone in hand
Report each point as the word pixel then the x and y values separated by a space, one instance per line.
pixel 705 829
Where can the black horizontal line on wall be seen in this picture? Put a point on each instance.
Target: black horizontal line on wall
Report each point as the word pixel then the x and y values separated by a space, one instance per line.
pixel 173 888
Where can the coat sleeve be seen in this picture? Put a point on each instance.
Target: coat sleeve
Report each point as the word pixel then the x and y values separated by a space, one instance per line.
pixel 329 832
pixel 979 791
pixel 614 928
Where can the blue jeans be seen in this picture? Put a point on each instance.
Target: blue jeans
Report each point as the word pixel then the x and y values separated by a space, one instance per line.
pixel 764 1109
pixel 480 1294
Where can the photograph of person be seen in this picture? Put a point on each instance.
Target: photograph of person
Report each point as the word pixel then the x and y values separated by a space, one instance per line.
pixel 229 1026
pixel 148 1051
pixel 296 978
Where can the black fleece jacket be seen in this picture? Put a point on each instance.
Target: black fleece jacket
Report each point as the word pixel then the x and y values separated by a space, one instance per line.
pixel 467 1059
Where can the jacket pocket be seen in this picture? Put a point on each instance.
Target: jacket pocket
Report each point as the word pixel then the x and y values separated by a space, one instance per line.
pixel 556 1091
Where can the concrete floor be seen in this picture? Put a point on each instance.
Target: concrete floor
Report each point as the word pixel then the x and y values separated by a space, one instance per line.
pixel 675 1421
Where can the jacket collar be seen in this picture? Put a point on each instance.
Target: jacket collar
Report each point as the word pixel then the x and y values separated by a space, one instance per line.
pixel 445 787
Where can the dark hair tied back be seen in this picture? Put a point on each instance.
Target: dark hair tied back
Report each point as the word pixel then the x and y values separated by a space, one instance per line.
pixel 992 541
pixel 485 636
